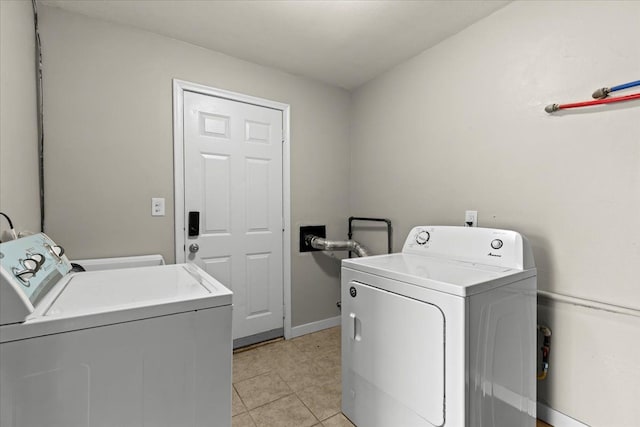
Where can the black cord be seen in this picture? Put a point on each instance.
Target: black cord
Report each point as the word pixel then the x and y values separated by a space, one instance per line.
pixel 8 219
pixel 40 107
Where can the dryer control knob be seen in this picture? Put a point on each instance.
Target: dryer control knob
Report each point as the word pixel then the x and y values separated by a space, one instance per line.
pixel 422 237
pixel 496 244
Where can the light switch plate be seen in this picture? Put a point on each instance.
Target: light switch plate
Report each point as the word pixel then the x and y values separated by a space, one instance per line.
pixel 471 218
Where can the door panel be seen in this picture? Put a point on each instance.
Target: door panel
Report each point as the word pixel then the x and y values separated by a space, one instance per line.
pixel 216 193
pixel 233 176
pixel 257 292
pixel 257 194
pixel 219 267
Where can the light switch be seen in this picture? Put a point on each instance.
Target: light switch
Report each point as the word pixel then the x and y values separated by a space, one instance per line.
pixel 157 206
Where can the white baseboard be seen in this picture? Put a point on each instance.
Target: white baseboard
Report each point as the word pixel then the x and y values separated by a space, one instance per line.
pixel 308 328
pixel 555 418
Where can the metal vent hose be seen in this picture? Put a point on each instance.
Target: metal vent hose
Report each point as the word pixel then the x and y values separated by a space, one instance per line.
pixel 336 245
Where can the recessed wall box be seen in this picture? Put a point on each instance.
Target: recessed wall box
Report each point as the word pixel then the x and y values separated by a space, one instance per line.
pixel 316 230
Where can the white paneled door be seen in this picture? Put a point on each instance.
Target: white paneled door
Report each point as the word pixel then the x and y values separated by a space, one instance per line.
pixel 233 205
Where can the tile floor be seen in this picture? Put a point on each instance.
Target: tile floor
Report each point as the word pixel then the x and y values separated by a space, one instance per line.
pixel 293 383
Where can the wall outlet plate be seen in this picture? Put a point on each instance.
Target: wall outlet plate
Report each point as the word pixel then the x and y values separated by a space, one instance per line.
pixel 471 218
pixel 316 230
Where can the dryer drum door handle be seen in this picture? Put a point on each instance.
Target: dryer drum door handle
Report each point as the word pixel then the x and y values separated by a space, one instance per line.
pixel 353 325
pixel 356 327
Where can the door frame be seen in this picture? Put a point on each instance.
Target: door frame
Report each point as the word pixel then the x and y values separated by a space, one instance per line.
pixel 179 87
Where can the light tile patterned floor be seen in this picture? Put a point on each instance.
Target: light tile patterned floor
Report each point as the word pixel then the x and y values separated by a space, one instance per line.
pixel 293 383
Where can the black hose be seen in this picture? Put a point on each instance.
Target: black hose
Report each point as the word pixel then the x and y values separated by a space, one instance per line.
pixel 8 219
pixel 40 107
pixel 385 220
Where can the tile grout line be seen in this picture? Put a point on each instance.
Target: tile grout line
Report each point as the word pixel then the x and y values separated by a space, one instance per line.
pixel 313 361
pixel 308 409
pixel 244 405
pixel 275 400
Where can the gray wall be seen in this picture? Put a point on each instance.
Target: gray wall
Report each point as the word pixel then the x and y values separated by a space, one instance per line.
pixel 18 118
pixel 108 119
pixel 461 126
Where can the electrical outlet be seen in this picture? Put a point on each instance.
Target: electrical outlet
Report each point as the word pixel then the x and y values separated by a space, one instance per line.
pixel 471 218
pixel 157 206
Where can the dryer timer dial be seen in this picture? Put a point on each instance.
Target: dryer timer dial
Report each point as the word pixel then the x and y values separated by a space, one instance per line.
pixel 422 237
pixel 496 244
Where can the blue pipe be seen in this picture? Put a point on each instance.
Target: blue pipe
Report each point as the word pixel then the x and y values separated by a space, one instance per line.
pixel 603 92
pixel 625 86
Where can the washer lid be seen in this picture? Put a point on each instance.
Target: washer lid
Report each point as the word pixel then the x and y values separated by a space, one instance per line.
pixel 455 277
pixel 98 291
pixel 101 298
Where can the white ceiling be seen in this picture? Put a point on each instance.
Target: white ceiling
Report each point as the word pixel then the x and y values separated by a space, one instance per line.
pixel 343 43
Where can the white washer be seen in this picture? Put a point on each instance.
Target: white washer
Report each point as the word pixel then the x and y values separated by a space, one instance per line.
pixel 442 334
pixel 148 346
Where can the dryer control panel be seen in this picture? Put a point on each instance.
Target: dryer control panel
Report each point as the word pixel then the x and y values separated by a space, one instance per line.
pixel 489 246
pixel 29 268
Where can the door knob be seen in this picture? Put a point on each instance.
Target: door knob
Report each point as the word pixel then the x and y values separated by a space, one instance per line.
pixel 193 248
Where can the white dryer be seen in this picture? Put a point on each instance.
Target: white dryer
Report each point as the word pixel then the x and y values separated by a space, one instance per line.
pixel 442 334
pixel 148 346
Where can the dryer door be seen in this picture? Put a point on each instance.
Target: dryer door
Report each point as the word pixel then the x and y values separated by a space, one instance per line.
pixel 392 358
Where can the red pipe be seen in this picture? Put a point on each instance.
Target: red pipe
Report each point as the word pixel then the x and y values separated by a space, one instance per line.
pixel 555 107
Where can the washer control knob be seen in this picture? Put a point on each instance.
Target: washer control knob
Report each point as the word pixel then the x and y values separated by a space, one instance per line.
pixel 23 275
pixel 496 244
pixel 422 237
pixel 56 251
pixel 38 257
pixel 29 264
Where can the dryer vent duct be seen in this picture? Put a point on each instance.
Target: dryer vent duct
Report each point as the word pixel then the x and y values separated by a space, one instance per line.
pixel 320 243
